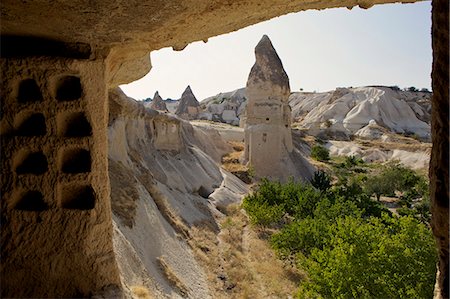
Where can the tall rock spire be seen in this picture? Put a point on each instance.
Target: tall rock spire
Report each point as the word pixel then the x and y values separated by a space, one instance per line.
pixel 268 137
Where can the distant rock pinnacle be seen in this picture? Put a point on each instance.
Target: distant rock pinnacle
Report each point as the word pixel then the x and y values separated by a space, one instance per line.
pixel 188 106
pixel 158 103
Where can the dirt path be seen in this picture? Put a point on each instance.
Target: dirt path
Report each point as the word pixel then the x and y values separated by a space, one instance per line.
pixel 241 265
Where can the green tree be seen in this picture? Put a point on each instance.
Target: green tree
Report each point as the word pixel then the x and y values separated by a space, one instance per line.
pixel 320 153
pixel 378 258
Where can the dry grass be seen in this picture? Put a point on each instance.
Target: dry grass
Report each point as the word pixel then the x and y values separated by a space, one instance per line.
pixel 231 163
pixel 170 275
pixel 124 193
pixel 404 143
pixel 141 292
pixel 239 264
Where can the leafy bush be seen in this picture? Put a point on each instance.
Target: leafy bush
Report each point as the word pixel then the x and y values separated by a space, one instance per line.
pixel 350 245
pixel 264 206
pixel 321 180
pixel 267 205
pixel 393 177
pixel 320 153
pixel 351 161
pixel 263 214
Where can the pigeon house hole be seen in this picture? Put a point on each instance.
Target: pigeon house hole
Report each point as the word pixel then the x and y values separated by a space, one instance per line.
pixel 78 198
pixel 29 92
pixel 32 163
pixel 74 125
pixel 31 201
pixel 68 89
pixel 33 125
pixel 76 161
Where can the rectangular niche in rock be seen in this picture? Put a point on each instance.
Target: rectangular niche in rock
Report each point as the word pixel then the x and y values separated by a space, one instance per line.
pixel 30 201
pixel 30 163
pixel 30 124
pixel 29 92
pixel 75 160
pixel 73 124
pixel 77 197
pixel 68 88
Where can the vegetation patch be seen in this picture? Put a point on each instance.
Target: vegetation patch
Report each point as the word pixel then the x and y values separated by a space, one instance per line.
pixel 349 244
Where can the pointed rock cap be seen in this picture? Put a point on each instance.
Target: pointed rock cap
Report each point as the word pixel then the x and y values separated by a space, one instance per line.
pixel 188 99
pixel 187 93
pixel 268 73
pixel 158 103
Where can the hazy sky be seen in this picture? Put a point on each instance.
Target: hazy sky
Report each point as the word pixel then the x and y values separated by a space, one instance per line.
pixel 320 50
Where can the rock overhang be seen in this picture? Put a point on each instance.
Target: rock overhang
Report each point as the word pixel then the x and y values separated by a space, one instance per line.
pixel 126 31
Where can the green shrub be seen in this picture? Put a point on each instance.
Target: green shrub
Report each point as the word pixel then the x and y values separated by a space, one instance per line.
pixel 263 214
pixel 272 200
pixel 320 153
pixel 264 206
pixel 321 180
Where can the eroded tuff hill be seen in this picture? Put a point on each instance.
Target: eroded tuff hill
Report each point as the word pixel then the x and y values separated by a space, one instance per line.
pixel 168 196
pixel 344 110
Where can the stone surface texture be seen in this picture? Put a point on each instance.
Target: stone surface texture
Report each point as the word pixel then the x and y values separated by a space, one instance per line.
pixel 439 164
pixel 188 106
pixel 158 103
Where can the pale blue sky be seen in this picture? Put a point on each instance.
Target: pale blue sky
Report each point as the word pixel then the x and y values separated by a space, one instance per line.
pixel 320 50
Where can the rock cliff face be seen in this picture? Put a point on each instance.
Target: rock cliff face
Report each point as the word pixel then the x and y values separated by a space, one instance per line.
pixel 165 181
pixel 268 137
pixel 158 103
pixel 188 106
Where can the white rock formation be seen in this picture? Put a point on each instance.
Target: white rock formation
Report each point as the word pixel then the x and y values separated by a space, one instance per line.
pixel 371 131
pixel 158 195
pixel 349 110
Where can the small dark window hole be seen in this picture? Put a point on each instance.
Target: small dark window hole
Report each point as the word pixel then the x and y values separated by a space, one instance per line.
pixel 76 161
pixel 31 201
pixel 34 125
pixel 74 125
pixel 29 92
pixel 78 198
pixel 34 163
pixel 68 89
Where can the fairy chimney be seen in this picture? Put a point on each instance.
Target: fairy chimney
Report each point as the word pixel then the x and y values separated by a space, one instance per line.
pixel 158 103
pixel 188 107
pixel 268 139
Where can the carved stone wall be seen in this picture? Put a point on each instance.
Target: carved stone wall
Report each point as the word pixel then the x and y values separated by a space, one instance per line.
pixel 56 222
